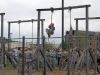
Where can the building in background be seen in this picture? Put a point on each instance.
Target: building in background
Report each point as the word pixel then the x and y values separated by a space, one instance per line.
pixel 94 41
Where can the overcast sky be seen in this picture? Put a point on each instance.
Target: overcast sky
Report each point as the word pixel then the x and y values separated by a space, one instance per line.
pixel 26 10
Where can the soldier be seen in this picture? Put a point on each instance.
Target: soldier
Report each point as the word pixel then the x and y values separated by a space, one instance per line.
pixel 51 29
pixel 52 58
pixel 82 61
pixel 65 59
pixel 19 60
pixel 90 59
pixel 48 56
pixel 71 62
pixel 12 56
pixel 34 62
pixel 59 56
pixel 29 59
pixel 61 59
pixel 98 57
pixel 74 58
pixel 40 60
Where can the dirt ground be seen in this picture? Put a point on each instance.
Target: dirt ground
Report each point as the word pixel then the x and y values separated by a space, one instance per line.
pixel 10 71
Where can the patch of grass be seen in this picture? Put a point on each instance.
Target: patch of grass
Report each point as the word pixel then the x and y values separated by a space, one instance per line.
pixel 35 71
pixel 78 74
pixel 56 63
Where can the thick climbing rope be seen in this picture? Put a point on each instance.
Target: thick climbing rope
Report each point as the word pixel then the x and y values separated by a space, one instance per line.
pixel 70 18
pixel 19 32
pixel 32 34
pixel 51 21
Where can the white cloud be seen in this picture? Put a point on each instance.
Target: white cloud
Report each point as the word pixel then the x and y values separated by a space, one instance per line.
pixel 26 9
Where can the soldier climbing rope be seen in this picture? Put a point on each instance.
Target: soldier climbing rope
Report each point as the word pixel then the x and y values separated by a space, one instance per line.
pixel 71 30
pixel 51 27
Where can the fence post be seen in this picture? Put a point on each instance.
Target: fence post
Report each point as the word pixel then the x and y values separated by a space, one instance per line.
pixel 3 55
pixel 43 43
pixel 23 47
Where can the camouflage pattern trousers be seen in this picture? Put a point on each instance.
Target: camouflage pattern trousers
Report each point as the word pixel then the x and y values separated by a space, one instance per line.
pixel 19 66
pixel 29 67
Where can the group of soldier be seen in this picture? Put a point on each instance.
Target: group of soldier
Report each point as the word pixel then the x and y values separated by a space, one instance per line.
pixel 52 56
pixel 28 60
pixel 62 58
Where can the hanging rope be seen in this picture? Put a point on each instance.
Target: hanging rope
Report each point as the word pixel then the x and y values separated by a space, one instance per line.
pixel 51 13
pixel 51 16
pixel 32 33
pixel 19 32
pixel 70 17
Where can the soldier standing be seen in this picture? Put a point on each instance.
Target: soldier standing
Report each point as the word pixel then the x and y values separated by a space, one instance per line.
pixel 61 59
pixel 90 59
pixel 19 61
pixel 48 56
pixel 82 64
pixel 12 55
pixel 65 56
pixel 98 57
pixel 52 56
pixel 29 59
pixel 40 60
pixel 59 56
pixel 74 59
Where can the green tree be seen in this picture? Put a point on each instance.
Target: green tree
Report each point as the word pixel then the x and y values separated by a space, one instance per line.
pixel 81 41
pixel 65 46
pixel 48 46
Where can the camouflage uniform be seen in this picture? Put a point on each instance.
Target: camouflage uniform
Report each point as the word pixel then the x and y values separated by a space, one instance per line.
pixel 63 59
pixel 59 57
pixel 52 59
pixel 29 59
pixel 40 60
pixel 74 59
pixel 91 61
pixel 98 58
pixel 12 56
pixel 48 56
pixel 19 61
pixel 82 63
